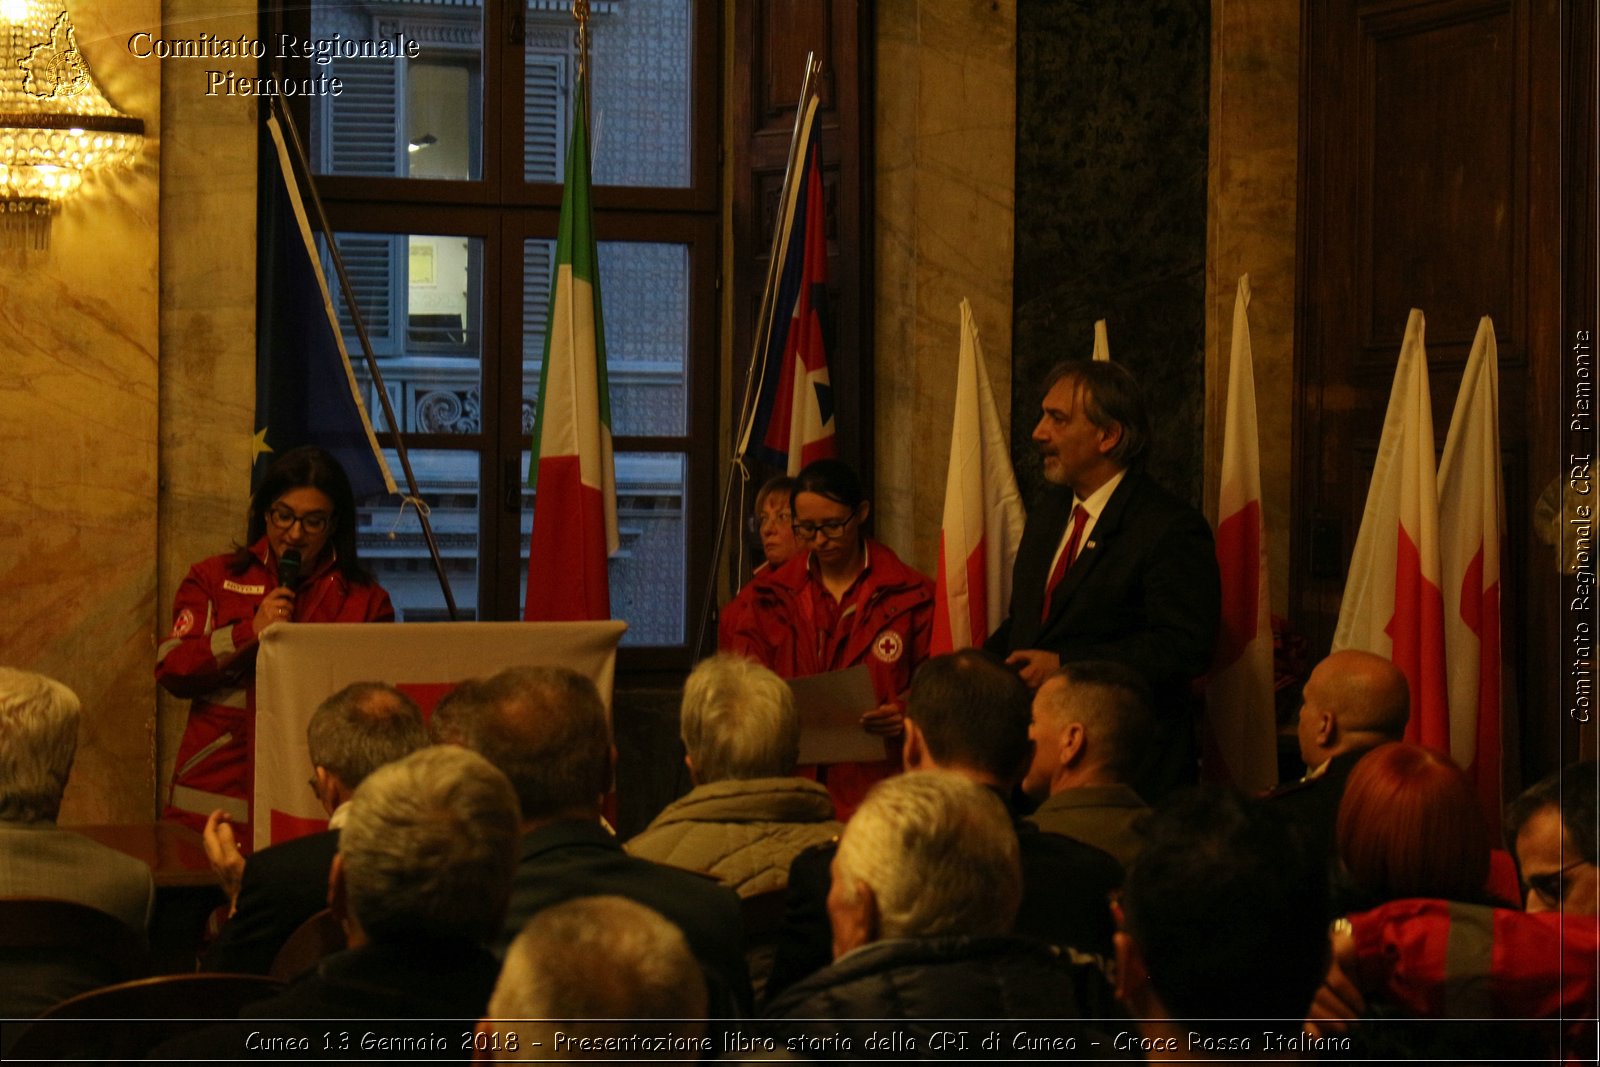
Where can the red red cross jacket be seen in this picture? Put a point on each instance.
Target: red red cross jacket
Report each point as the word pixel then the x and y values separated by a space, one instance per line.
pixel 889 631
pixel 210 657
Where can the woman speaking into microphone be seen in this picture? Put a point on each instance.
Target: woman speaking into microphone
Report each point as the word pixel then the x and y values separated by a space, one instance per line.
pixel 298 564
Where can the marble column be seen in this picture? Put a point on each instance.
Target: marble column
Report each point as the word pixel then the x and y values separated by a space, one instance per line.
pixel 945 137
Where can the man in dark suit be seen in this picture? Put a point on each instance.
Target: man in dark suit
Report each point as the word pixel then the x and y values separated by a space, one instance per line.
pixel 968 715
pixel 546 729
pixel 351 734
pixel 1353 702
pixel 1111 566
pixel 38 740
pixel 419 883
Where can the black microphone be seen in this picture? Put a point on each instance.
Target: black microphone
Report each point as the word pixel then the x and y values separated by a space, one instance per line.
pixel 289 568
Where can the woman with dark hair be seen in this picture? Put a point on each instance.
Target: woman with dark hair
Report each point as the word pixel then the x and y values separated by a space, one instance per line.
pixel 843 600
pixel 298 564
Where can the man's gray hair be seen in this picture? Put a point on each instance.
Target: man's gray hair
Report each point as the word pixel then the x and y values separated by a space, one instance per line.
pixel 599 958
pixel 738 721
pixel 429 847
pixel 38 738
pixel 362 727
pixel 939 853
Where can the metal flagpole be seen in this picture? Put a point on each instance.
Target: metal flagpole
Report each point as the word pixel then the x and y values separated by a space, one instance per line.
pixel 737 470
pixel 286 120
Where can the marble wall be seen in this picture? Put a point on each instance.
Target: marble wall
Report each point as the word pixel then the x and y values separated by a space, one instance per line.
pixel 1255 112
pixel 79 396
pixel 1111 165
pixel 208 317
pixel 945 137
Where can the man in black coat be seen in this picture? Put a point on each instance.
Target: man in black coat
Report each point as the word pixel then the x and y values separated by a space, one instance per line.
pixel 546 729
pixel 926 886
pixel 1353 702
pixel 1111 566
pixel 969 715
pixel 350 735
pixel 420 883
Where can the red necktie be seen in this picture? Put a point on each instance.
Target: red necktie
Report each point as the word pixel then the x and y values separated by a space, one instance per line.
pixel 1079 518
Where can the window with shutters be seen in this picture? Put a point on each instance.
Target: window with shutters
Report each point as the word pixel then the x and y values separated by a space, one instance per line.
pixel 441 175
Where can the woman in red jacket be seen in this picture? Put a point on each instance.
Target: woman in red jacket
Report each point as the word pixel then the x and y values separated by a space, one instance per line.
pixel 303 509
pixel 847 600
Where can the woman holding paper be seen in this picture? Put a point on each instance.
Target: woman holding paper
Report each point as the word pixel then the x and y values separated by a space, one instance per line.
pixel 844 601
pixel 299 564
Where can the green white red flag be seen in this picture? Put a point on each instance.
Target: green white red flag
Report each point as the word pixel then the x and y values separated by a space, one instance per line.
pixel 572 471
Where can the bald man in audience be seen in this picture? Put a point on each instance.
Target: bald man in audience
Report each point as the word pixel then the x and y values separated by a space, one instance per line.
pixel 1091 726
pixel 599 978
pixel 1352 703
pixel 351 734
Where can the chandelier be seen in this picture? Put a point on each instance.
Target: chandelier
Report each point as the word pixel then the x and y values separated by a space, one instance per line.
pixel 56 125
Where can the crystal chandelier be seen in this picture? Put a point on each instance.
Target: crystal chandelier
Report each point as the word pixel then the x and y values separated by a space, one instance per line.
pixel 55 124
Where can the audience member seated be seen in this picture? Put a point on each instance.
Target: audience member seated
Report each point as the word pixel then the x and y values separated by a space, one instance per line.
pixel 1224 935
pixel 1091 727
pixel 1551 830
pixel 546 729
pixel 454 709
pixel 420 881
pixel 926 884
pixel 747 816
pixel 351 734
pixel 38 740
pixel 1410 826
pixel 1411 962
pixel 1352 703
pixel 967 713
pixel 601 978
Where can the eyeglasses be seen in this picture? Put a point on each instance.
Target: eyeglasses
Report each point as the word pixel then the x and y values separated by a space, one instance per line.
pixel 756 523
pixel 282 518
pixel 1552 886
pixel 831 529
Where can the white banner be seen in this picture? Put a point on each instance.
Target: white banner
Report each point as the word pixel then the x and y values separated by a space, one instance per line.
pixel 301 664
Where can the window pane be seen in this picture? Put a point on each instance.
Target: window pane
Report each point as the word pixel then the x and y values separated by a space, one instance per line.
pixel 639 62
pixel 645 303
pixel 395 116
pixel 421 299
pixel 649 572
pixel 391 544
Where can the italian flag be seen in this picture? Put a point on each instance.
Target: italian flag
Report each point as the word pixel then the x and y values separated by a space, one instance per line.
pixel 572 472
pixel 983 514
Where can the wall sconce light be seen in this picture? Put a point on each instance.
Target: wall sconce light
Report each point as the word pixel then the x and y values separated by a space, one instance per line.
pixel 55 124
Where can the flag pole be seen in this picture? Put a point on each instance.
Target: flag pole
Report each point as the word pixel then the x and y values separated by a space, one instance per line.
pixel 737 471
pixel 286 120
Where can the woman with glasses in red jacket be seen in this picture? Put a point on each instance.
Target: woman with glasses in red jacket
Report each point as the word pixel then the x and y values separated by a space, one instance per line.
pixel 844 599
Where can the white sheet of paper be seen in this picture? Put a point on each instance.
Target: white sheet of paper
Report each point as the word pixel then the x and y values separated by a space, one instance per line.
pixel 830 707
